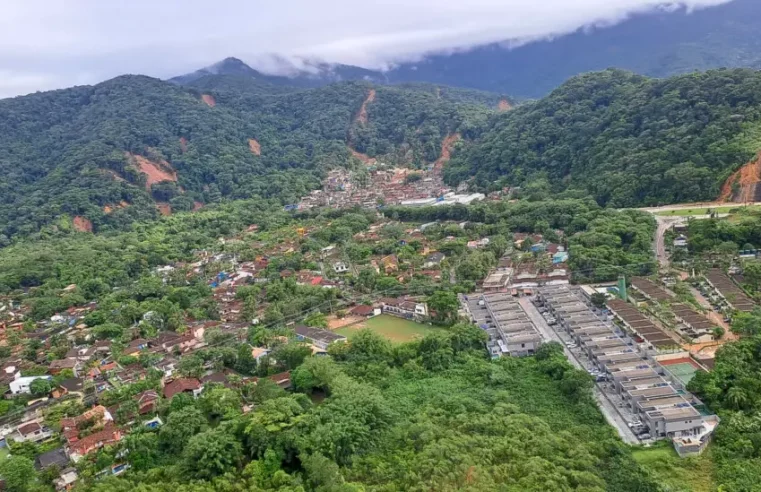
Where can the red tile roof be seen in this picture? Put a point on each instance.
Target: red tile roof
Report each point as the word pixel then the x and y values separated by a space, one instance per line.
pixel 180 386
pixel 29 428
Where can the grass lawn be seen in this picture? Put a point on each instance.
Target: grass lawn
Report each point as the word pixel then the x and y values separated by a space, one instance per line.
pixel 704 210
pixel 397 330
pixel 4 452
pixel 693 474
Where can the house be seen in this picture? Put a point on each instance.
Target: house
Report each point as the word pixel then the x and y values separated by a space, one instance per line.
pixel 82 447
pixel 316 336
pixel 82 354
pixel 134 347
pixel 56 457
pixel 340 267
pixel 389 264
pixel 167 365
pixel 21 385
pixel 434 259
pixel 481 243
pixel 365 311
pixel 66 480
pixel 59 365
pixel 32 432
pixel 147 401
pixel 259 352
pixel 183 343
pixel 559 257
pixel 183 385
pixel 282 379
pixel 71 386
pixel 402 308
pixel 165 340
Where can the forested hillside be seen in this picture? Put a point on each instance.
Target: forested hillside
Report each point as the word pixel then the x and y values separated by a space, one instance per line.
pixel 626 139
pixel 99 157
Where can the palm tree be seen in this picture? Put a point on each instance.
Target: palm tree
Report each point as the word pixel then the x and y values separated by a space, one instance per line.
pixel 737 397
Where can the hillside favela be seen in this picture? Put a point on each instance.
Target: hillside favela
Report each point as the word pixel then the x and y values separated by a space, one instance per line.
pixel 371 247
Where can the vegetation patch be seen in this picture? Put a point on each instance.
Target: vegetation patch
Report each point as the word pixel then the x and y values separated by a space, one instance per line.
pixel 395 329
pixel 694 474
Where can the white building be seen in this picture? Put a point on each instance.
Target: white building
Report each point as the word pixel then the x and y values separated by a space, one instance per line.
pixel 21 385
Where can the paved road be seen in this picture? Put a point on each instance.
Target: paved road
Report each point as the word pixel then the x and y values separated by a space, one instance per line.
pixel 607 408
pixel 690 206
pixel 659 244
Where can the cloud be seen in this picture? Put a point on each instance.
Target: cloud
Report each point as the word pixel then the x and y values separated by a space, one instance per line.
pixel 46 44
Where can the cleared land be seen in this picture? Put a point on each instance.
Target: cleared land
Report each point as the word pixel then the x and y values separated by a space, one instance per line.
pixel 677 474
pixel 395 329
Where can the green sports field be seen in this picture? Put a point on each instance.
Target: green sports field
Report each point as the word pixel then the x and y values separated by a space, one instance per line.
pixel 397 330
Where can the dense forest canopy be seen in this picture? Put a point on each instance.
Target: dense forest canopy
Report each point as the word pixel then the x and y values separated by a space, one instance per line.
pixel 428 415
pixel 626 139
pixel 109 152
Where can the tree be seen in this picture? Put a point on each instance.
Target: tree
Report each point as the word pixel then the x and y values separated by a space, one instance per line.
pixel 219 403
pixel 747 324
pixel 191 366
pixel 180 426
pixel 599 300
pixel 18 473
pixel 249 311
pixel 718 333
pixel 317 320
pixel 40 387
pixel 444 305
pixel 291 355
pixel 211 453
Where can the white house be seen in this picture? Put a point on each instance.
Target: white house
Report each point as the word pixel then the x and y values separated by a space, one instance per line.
pixel 340 267
pixel 21 385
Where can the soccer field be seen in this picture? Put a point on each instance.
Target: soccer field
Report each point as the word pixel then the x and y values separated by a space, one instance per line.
pixel 395 329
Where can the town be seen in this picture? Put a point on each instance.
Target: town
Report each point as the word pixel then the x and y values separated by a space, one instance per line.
pixel 81 380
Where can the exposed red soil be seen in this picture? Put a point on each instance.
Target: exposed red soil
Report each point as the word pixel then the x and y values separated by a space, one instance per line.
pixel 197 206
pixel 110 208
pixel 362 116
pixel 748 177
pixel 446 150
pixel 362 157
pixel 254 146
pixel 209 100
pixel 183 144
pixel 155 172
pixel 164 208
pixel 82 224
pixel 504 105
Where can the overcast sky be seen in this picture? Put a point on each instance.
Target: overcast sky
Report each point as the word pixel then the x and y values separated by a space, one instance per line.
pixel 47 44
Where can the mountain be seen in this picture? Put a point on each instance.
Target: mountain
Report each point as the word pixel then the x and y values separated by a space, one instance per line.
pixel 99 157
pixel 313 75
pixel 626 139
pixel 659 43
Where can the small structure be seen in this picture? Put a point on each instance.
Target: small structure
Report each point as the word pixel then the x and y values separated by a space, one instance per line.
pixel 318 337
pixel 434 259
pixel 340 267
pixel 32 432
pixel 183 385
pixel 20 385
pixel 365 311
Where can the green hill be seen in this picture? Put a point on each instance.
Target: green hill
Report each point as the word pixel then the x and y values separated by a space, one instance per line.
pixel 106 155
pixel 626 139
